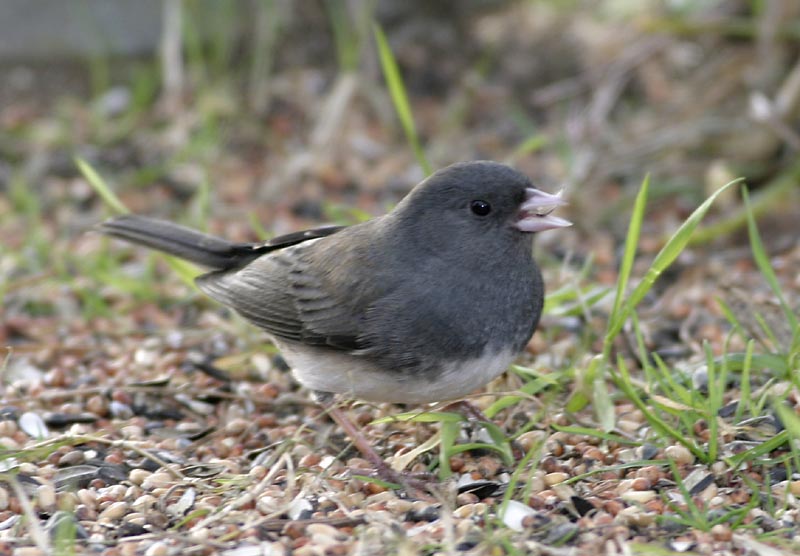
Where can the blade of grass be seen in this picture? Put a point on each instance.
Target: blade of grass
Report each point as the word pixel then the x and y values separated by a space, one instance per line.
pixel 515 477
pixel 615 320
pixel 422 417
pixel 764 265
pixel 699 518
pixel 615 469
pixel 665 257
pixel 789 419
pixel 100 186
pixel 500 440
pixel 716 388
pixel 345 35
pixel 663 428
pixel 744 387
pixel 529 389
pixel 764 448
pixel 399 97
pixel 449 435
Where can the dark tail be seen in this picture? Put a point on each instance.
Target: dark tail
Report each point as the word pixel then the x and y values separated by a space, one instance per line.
pixel 184 243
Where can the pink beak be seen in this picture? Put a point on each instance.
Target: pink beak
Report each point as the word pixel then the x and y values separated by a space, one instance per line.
pixel 534 214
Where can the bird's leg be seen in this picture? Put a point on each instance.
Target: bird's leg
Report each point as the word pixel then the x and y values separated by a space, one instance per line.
pixel 382 469
pixel 468 410
pixel 359 441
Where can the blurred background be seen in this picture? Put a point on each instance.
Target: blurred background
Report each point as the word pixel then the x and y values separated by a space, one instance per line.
pixel 252 118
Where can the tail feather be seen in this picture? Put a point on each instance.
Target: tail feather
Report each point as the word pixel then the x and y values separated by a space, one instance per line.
pixel 184 243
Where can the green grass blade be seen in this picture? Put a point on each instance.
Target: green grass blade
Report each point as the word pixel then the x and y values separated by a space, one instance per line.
pixel 100 186
pixel 765 447
pixel 345 35
pixel 789 419
pixel 422 417
pixel 450 431
pixel 530 388
pixel 764 265
pixel 745 388
pixel 659 425
pixel 699 518
pixel 674 246
pixel 716 388
pixel 500 441
pixel 399 97
pixel 517 475
pixel 631 241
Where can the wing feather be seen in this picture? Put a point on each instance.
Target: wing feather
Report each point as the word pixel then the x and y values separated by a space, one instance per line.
pixel 287 295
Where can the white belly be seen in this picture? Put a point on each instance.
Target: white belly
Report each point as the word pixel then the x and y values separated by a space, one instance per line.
pixel 345 374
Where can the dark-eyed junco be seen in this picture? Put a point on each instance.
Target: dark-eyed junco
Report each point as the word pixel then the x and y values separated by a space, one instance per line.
pixel 426 303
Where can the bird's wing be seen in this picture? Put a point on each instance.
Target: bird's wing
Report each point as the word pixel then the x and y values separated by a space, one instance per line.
pixel 295 296
pixel 294 238
pixel 238 255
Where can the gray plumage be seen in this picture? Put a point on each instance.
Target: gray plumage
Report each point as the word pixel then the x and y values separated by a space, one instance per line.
pixel 389 309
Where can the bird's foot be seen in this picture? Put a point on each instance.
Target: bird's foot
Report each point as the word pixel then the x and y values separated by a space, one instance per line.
pixel 417 485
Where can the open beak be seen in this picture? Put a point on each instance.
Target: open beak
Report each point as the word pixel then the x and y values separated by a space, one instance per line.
pixel 534 213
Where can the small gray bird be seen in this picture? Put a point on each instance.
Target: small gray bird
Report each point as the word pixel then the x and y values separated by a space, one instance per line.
pixel 426 303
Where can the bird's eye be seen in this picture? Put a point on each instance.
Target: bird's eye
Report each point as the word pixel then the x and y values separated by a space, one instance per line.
pixel 481 208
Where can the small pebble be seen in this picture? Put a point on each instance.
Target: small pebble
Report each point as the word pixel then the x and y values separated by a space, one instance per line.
pixel 629 426
pixel 33 425
pixel 398 506
pixel 144 503
pixel 66 500
pixel 639 496
pixel 309 460
pixel 325 530
pixel 46 498
pixel 28 551
pixel 87 497
pixel 470 510
pixel 138 476
pixel 635 516
pixel 200 535
pixel 531 439
pixel 679 454
pixel 721 532
pixel 650 472
pixel 132 432
pixel 466 498
pixel 74 457
pixel 9 443
pixel 97 405
pixel 158 548
pixel 145 356
pixel 120 410
pixel 136 518
pixel 237 426
pixel 114 512
pixel 516 514
pixel 555 478
pixel 160 479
